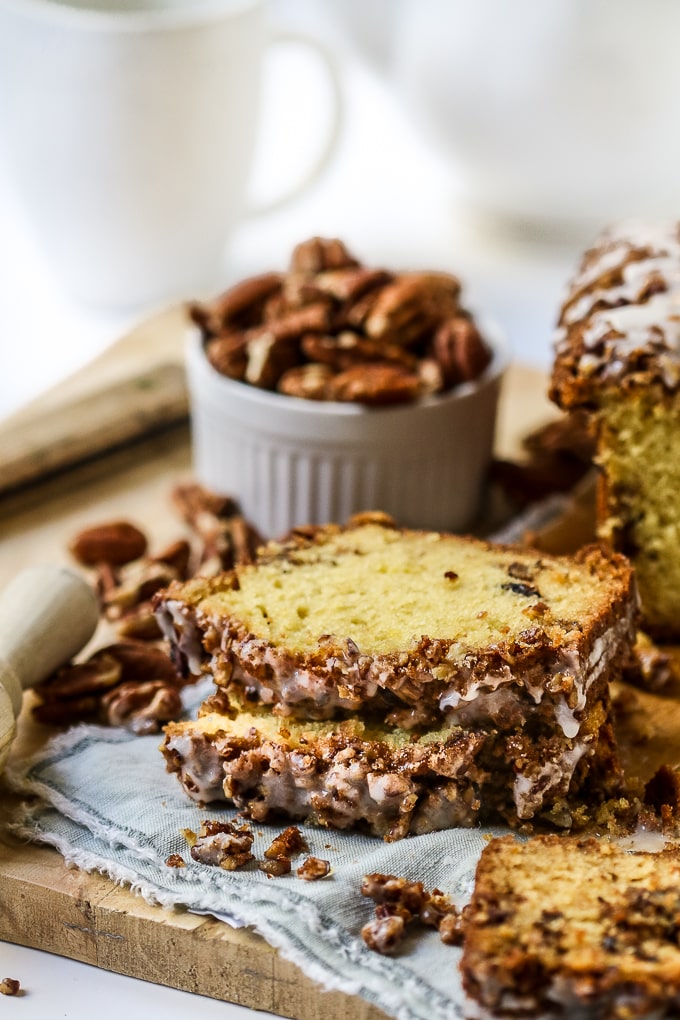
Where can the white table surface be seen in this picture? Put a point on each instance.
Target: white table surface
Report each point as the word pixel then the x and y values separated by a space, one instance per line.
pixel 392 202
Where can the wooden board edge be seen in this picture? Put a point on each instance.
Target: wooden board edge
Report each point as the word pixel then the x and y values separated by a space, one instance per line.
pixel 86 917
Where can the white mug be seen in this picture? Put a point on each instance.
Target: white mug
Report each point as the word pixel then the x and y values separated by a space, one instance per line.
pixel 128 129
pixel 554 116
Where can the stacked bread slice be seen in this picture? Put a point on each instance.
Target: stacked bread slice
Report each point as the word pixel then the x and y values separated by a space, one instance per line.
pixel 401 681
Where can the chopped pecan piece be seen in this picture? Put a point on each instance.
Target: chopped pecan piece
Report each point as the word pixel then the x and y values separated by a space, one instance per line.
pixel 223 845
pixel 175 861
pixel 287 844
pixel 452 928
pixel 268 359
pixel 314 868
pixel 275 866
pixel 394 891
pixel 384 935
pixel 308 381
pixel 10 986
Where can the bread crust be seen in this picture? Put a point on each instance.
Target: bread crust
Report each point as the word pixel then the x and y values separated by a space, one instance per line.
pixel 566 924
pixel 371 777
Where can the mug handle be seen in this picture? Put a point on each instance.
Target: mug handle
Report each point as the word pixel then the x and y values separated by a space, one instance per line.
pixel 329 62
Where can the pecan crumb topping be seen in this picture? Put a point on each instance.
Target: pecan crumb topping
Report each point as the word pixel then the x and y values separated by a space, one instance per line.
pixel 399 903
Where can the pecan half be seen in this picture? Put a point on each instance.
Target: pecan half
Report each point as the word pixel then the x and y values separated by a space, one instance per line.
pixel 228 354
pixel 375 383
pixel 193 502
pixel 116 543
pixel 460 350
pixel 101 672
pixel 141 707
pixel 239 306
pixel 349 349
pixel 351 282
pixel 318 254
pixel 287 843
pixel 411 305
pixel 276 866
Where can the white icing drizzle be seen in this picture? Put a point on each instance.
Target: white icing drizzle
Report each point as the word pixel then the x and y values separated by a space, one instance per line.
pixel 565 718
pixel 618 328
pixel 643 840
pixel 530 792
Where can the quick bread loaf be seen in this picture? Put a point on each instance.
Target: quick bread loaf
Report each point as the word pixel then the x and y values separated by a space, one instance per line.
pixel 618 359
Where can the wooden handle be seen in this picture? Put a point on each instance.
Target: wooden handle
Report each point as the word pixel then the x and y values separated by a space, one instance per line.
pixel 47 614
pixel 100 421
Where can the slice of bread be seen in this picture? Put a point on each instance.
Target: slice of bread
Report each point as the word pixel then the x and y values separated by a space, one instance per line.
pixel 419 628
pixel 569 927
pixel 617 358
pixel 361 774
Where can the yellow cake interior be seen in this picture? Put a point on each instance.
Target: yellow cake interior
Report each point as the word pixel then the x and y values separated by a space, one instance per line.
pixel 639 449
pixel 386 588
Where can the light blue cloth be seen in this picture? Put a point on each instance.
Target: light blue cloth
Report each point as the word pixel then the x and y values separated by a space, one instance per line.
pixel 107 804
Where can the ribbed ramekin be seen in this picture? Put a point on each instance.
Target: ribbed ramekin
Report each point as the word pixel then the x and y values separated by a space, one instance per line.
pixel 290 461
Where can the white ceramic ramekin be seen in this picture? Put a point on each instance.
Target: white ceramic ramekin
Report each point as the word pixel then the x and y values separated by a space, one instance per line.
pixel 290 461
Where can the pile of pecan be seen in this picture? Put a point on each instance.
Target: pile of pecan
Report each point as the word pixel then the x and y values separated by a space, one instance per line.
pixel 229 846
pixel 331 328
pixel 132 682
pixel 400 903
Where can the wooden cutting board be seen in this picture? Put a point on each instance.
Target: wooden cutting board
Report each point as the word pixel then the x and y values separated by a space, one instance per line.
pixel 42 903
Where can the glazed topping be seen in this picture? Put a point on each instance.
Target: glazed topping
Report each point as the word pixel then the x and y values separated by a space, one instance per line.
pixel 621 315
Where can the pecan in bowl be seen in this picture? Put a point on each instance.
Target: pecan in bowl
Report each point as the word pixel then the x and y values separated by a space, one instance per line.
pixel 335 387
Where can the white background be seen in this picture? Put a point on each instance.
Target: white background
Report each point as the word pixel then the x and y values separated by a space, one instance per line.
pixel 386 194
